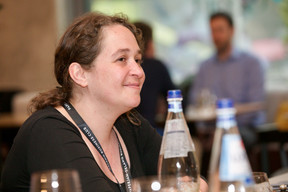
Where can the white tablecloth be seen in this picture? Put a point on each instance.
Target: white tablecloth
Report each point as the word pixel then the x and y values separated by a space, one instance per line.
pixel 279 179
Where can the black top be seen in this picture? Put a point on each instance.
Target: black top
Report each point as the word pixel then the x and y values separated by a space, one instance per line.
pixel 47 140
pixel 157 83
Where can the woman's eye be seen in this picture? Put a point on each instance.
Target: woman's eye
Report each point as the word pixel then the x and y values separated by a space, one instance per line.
pixel 139 61
pixel 122 59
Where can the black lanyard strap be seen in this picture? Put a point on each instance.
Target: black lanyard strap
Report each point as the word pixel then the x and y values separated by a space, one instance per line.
pixel 125 167
pixel 92 138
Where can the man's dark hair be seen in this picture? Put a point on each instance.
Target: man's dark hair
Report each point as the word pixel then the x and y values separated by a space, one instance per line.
pixel 223 15
pixel 146 30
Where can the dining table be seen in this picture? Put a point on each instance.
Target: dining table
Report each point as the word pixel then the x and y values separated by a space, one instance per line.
pixel 194 113
pixel 10 120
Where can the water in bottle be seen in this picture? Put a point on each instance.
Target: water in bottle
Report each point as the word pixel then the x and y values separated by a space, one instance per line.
pixel 229 166
pixel 177 155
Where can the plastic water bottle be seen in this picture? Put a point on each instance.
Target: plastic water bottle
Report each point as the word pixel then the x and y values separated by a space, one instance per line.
pixel 177 155
pixel 229 166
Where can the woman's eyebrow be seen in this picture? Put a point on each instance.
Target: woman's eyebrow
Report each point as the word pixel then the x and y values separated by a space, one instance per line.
pixel 119 51
pixel 125 50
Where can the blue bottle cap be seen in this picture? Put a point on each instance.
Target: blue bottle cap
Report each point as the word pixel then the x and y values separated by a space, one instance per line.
pixel 174 94
pixel 225 103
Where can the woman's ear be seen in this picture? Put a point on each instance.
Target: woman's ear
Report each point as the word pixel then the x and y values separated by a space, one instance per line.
pixel 77 74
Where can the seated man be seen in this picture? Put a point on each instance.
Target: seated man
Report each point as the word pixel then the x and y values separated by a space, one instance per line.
pixel 232 73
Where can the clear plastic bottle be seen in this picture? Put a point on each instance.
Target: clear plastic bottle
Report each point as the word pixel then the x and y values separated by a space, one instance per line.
pixel 229 166
pixel 177 155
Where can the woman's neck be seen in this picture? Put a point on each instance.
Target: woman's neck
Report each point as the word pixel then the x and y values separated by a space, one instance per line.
pixel 99 119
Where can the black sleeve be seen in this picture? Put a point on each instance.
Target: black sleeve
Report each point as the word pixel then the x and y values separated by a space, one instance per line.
pixel 57 144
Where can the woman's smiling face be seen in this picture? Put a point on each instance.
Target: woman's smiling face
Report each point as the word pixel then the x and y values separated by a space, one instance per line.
pixel 116 77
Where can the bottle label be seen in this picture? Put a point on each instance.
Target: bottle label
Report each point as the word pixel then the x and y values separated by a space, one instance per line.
pixel 177 143
pixel 234 164
pixel 175 106
pixel 226 121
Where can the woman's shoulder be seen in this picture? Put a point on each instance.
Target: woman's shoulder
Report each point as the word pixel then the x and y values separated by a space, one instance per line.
pixel 43 126
pixel 46 113
pixel 40 120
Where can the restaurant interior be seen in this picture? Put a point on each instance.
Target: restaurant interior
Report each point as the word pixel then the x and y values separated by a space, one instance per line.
pixel 30 30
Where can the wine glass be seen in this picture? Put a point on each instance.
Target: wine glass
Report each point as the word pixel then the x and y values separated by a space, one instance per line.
pixel 56 180
pixel 262 183
pixel 153 183
pixel 164 184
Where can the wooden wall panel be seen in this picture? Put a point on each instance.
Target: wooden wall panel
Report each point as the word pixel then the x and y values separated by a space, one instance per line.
pixel 28 37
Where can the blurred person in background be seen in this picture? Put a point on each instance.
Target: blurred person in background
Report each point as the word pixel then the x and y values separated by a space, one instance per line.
pixel 88 122
pixel 231 73
pixel 157 82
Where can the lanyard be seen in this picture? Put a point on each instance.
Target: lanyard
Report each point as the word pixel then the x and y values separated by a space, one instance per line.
pixel 90 135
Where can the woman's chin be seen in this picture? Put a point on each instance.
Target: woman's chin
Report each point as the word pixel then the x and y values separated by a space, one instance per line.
pixel 135 103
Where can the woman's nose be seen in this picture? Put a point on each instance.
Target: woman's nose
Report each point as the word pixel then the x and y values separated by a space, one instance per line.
pixel 137 70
